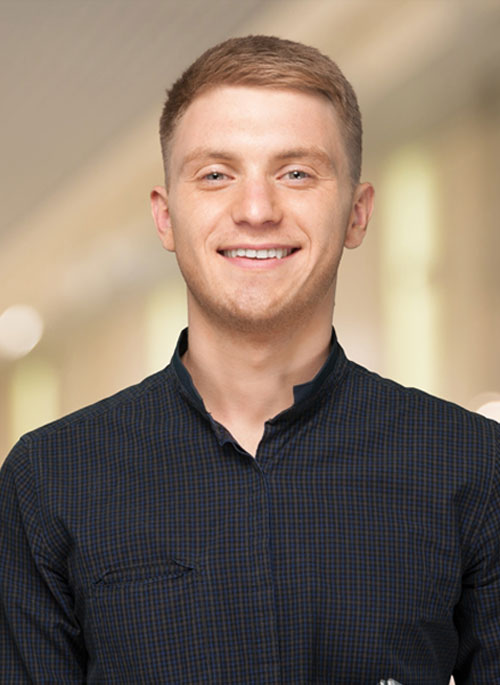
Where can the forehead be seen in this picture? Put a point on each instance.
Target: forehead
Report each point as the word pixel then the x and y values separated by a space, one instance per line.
pixel 256 118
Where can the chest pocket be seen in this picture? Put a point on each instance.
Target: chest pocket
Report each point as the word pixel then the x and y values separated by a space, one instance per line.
pixel 143 623
pixel 146 573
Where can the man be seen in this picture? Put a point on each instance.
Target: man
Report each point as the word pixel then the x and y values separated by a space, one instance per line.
pixel 263 510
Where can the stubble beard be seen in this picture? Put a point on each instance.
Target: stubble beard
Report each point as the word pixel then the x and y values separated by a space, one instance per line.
pixel 249 314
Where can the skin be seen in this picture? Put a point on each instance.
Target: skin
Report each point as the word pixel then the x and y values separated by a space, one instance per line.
pixel 263 169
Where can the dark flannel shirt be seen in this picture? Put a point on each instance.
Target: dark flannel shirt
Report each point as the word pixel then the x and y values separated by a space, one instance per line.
pixel 141 544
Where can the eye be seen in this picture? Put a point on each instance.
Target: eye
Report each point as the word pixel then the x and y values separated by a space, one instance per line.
pixel 296 175
pixel 214 176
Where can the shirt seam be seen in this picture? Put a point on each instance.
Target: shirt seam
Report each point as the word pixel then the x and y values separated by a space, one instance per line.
pixel 100 408
pixel 476 533
pixel 38 543
pixel 41 547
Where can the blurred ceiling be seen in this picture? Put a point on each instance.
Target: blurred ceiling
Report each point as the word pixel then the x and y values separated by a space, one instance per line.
pixel 78 73
pixel 82 87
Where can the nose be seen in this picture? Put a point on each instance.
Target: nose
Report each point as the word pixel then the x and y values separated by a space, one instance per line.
pixel 256 203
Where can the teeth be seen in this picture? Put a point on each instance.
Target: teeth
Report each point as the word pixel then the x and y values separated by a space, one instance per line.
pixel 273 252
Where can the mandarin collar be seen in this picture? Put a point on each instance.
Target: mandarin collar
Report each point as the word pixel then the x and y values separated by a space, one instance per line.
pixel 302 393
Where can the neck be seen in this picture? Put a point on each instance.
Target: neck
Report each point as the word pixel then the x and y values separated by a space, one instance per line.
pixel 246 380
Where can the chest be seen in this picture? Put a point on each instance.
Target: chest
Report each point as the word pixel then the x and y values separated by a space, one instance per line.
pixel 318 558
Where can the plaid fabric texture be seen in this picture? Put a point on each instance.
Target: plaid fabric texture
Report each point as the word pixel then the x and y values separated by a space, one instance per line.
pixel 141 544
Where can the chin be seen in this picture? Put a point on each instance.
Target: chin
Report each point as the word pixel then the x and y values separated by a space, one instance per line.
pixel 260 321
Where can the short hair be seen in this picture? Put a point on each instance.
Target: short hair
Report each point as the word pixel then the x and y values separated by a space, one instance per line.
pixel 269 62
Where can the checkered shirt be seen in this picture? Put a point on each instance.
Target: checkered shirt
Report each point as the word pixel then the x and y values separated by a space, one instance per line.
pixel 139 543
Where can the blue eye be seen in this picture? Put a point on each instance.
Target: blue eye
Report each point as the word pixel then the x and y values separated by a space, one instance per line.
pixel 214 176
pixel 297 175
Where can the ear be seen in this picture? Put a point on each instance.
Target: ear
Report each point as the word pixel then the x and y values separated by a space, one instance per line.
pixel 362 208
pixel 161 216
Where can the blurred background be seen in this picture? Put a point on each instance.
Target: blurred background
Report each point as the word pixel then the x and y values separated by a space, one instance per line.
pixel 90 302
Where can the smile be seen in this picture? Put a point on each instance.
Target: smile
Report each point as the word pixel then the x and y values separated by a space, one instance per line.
pixel 261 253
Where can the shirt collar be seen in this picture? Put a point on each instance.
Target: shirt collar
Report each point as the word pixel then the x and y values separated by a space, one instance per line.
pixel 302 393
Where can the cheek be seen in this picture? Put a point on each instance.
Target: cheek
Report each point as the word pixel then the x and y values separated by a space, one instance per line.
pixel 191 217
pixel 189 230
pixel 328 226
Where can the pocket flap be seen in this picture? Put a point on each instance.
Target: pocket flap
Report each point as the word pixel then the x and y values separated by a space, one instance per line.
pixel 171 568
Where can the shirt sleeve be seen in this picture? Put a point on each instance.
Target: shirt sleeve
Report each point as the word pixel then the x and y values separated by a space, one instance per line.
pixel 40 638
pixel 477 615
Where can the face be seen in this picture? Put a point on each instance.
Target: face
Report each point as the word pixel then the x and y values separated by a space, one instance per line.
pixel 259 207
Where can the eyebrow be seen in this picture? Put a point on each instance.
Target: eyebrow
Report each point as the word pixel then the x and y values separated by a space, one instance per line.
pixel 205 153
pixel 314 152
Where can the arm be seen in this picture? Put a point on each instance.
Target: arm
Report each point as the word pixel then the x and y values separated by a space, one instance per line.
pixel 477 615
pixel 40 638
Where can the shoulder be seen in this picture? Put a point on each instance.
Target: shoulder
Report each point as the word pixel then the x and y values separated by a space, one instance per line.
pixel 412 405
pixel 449 455
pixel 152 392
pixel 103 427
pixel 417 426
